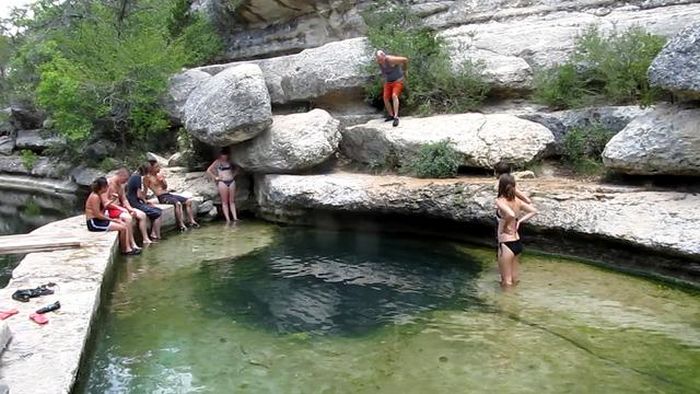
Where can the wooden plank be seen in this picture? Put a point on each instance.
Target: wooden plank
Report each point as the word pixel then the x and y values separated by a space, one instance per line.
pixel 31 243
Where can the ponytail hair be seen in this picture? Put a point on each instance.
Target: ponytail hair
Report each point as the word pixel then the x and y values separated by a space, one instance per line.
pixel 506 187
pixel 98 184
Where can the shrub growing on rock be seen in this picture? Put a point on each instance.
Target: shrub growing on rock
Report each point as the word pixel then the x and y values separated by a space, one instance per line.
pixel 584 146
pixel 436 160
pixel 605 67
pixel 28 159
pixel 433 85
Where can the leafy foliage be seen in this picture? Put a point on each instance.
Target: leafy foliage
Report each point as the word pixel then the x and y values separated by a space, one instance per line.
pixel 98 68
pixel 584 146
pixel 28 159
pixel 433 83
pixel 608 68
pixel 436 160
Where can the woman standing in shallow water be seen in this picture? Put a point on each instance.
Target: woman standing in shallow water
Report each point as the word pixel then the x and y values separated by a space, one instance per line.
pixel 509 246
pixel 223 172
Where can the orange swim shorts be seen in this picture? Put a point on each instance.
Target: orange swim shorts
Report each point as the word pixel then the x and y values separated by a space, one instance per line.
pixel 392 88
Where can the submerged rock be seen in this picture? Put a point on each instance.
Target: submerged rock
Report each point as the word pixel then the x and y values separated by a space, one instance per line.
pixel 481 140
pixel 231 107
pixel 294 143
pixel 665 141
pixel 664 221
pixel 677 66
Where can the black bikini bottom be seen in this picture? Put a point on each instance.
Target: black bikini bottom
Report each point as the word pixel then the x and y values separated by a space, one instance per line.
pixel 515 246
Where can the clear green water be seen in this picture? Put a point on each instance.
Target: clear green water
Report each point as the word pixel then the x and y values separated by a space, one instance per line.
pixel 262 309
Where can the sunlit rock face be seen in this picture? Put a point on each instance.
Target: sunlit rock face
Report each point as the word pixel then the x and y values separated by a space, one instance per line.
pixel 665 141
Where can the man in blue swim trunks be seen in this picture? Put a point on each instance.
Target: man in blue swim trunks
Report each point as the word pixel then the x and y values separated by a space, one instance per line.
pixel 137 198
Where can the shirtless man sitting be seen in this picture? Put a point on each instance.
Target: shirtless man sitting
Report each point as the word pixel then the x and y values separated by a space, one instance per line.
pixel 118 206
pixel 155 181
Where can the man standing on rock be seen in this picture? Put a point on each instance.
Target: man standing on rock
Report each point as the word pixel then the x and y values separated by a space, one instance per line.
pixel 394 70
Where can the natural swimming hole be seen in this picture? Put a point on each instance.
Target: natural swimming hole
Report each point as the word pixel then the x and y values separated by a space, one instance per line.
pixel 263 309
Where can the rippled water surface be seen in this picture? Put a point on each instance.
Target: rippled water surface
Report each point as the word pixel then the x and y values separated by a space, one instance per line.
pixel 263 309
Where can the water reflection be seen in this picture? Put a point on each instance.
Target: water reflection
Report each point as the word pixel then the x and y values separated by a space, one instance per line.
pixel 22 212
pixel 322 283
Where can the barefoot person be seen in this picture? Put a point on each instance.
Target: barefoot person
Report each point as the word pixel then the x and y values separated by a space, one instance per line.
pixel 119 207
pixel 509 246
pixel 394 70
pixel 224 174
pixel 155 181
pixel 97 221
pixel 137 199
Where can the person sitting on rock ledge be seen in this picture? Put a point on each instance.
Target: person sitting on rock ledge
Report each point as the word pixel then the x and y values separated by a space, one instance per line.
pixel 97 221
pixel 118 206
pixel 155 181
pixel 394 71
pixel 223 172
pixel 137 198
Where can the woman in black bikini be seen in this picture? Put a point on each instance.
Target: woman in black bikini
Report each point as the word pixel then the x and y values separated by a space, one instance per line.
pixel 224 174
pixel 509 208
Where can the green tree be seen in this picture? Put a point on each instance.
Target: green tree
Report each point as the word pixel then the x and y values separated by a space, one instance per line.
pixel 99 68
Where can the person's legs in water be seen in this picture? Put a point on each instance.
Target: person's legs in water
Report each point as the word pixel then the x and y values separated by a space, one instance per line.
pixel 128 221
pixel 143 226
pixel 505 264
pixel 386 94
pixel 190 213
pixel 178 216
pixel 232 200
pixel 515 269
pixel 155 227
pixel 223 193
pixel 123 236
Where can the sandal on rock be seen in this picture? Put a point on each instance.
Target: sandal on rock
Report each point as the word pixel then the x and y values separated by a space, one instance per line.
pixel 195 225
pixel 23 295
pixel 8 313
pixel 38 318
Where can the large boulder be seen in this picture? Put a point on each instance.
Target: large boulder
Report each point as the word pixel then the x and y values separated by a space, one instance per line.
pixel 179 88
pixel 481 140
pixel 336 67
pixel 665 141
pixel 231 107
pixel 36 140
pixel 294 143
pixel 677 66
pixel 84 176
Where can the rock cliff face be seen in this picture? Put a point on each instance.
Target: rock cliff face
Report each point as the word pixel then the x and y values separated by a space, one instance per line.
pixel 665 221
pixel 265 28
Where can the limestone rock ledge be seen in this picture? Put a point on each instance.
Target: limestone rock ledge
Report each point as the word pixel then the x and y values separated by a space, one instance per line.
pixel 664 221
pixel 45 359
